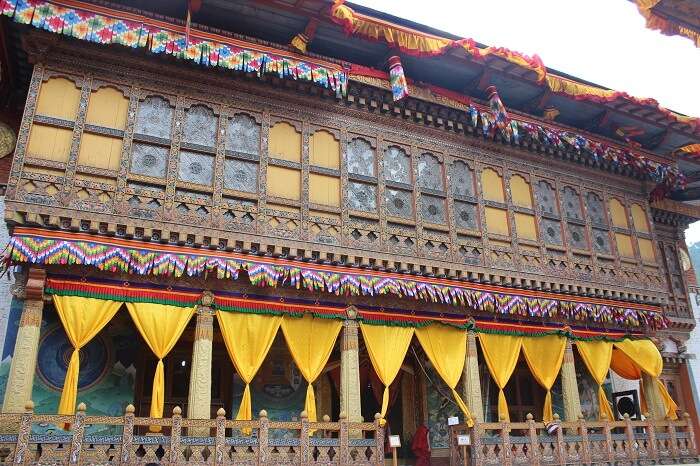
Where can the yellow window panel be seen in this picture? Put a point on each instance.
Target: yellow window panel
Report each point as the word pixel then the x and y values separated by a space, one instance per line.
pixel 58 97
pixel 285 142
pixel 639 217
pixel 283 182
pixel 492 185
pixel 324 190
pixel 49 143
pixel 497 221
pixel 108 108
pixel 325 150
pixel 646 250
pixel 520 191
pixel 525 226
pixel 618 214
pixel 100 151
pixel 624 245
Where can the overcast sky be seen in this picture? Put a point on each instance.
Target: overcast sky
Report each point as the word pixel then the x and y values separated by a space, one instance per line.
pixel 602 41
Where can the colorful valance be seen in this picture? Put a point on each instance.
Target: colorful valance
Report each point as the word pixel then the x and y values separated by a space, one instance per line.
pixel 106 26
pixel 33 246
pixel 666 25
pixel 419 43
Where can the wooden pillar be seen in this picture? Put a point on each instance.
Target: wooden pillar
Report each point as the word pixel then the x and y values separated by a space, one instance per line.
pixel 199 398
pixel 20 380
pixel 350 401
pixel 569 385
pixel 655 404
pixel 471 383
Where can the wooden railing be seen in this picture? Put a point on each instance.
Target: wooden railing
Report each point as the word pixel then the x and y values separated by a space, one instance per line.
pixel 579 442
pixel 189 441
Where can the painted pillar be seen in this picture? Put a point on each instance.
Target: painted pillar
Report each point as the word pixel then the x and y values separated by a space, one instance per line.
pixel 350 402
pixel 471 383
pixel 569 386
pixel 20 380
pixel 199 399
pixel 655 404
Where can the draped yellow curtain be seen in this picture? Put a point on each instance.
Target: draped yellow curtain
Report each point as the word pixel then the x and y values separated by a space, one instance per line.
pixel 544 356
pixel 446 347
pixel 623 366
pixel 310 340
pixel 161 326
pixel 248 338
pixel 387 347
pixel 82 319
pixel 501 353
pixel 596 356
pixel 647 357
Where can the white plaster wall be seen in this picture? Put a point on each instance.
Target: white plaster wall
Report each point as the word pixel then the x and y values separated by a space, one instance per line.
pixel 693 347
pixel 5 283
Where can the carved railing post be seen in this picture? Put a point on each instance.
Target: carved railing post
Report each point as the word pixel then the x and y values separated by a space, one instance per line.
pixel 533 450
pixel 693 447
pixel 220 440
pixel 652 450
pixel 76 445
pixel 631 451
pixel 263 438
pixel 505 436
pixel 127 434
pixel 22 452
pixel 672 440
pixel 561 447
pixel 585 446
pixel 304 439
pixel 175 435
pixel 608 438
pixel 379 438
pixel 477 435
pixel 344 447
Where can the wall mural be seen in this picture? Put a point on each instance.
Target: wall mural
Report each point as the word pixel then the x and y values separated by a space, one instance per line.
pixel 440 407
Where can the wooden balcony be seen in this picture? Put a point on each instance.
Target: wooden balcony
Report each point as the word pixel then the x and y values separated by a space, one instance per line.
pixel 189 441
pixel 581 442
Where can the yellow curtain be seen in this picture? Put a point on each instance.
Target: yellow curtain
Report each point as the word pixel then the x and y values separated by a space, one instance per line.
pixel 647 357
pixel 544 356
pixel 623 366
pixel 596 356
pixel 387 347
pixel 161 326
pixel 501 353
pixel 310 340
pixel 248 338
pixel 82 319
pixel 446 347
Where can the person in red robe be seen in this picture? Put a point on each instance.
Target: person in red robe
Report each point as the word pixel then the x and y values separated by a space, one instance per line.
pixel 420 446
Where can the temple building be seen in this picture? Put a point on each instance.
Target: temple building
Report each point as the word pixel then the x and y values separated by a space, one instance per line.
pixel 306 232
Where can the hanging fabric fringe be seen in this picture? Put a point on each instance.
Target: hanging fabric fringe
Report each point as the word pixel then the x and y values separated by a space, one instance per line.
pixel 302 40
pixel 397 78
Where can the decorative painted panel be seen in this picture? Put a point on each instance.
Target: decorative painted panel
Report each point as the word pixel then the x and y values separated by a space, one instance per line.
pixel 397 165
pixel 433 209
pixel 430 172
pixel 399 203
pixel 551 231
pixel 154 117
pixel 196 168
pixel 546 198
pixel 149 160
pixel 577 236
pixel 200 126
pixel 362 196
pixel 595 209
pixel 492 185
pixel 462 179
pixel 360 157
pixel 243 135
pixel 465 215
pixel 572 203
pixel 240 175
pixel 601 241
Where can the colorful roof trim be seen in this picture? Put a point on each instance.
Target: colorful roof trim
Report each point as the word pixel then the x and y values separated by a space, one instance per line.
pixel 137 292
pixel 104 26
pixel 44 247
pixel 666 26
pixel 418 43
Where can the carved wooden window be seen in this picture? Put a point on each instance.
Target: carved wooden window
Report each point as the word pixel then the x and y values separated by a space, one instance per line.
pixel 618 214
pixel 362 182
pixel 572 203
pixel 641 226
pixel 242 154
pixel 520 191
pixel 397 174
pixel 399 203
pixel 284 164
pixel 466 215
pixel 463 190
pixel 324 176
pixel 551 231
pixel 675 272
pixel 433 209
pixel 462 180
pixel 492 185
pixel 431 182
pixel 639 218
pixel 525 226
pixel 154 118
pixel 576 234
pixel 149 160
pixel 200 127
pixel 575 226
pixel 601 241
pixel 101 143
pixel 195 167
pixel 397 165
pixel 546 198
pixel 497 221
pixel 595 209
pixel 430 172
